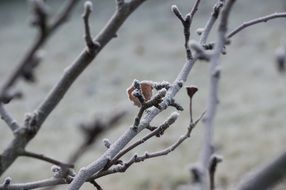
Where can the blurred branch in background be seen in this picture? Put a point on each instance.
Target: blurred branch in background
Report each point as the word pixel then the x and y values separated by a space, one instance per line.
pixel 30 60
pixel 25 69
pixel 280 58
pixel 92 131
pixel 265 177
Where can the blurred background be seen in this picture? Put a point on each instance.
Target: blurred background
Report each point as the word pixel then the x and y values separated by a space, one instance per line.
pixel 251 115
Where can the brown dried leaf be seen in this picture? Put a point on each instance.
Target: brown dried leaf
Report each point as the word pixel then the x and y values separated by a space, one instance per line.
pixel 146 88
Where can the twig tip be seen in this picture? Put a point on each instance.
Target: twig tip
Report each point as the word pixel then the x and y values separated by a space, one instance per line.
pixel 88 6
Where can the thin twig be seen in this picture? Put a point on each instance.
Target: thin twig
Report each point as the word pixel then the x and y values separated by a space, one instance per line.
pixel 45 158
pixel 88 39
pixel 96 185
pixel 186 22
pixel 135 159
pixel 119 3
pixel 214 161
pixel 255 21
pixel 169 121
pixel 211 21
pixel 155 101
pixel 248 24
pixel 39 42
pixel 11 122
pixel 91 133
pixel 194 10
pixel 34 185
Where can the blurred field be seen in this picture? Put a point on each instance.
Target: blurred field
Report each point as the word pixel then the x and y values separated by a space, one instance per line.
pixel 251 115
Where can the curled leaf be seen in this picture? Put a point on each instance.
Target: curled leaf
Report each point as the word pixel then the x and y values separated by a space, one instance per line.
pixel 146 90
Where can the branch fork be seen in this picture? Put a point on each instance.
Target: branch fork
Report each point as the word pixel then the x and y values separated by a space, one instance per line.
pixel 91 45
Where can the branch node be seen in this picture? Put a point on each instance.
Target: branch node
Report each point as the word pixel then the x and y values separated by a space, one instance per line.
pixel 216 73
pixel 91 46
pixel 31 123
pixel 176 105
pixel 7 182
pixel 201 53
pixel 197 174
pixel 120 4
pixel 214 160
pixel 177 12
pixel 107 143
pixel 28 69
pixel 199 31
pixel 40 15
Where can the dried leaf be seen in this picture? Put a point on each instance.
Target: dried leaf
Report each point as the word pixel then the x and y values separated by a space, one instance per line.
pixel 146 89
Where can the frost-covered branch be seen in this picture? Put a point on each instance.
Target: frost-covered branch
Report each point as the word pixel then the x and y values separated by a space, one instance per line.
pixel 11 122
pixel 255 21
pixel 67 79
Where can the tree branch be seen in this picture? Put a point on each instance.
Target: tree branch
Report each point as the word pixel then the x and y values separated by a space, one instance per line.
pixel 159 130
pixel 214 161
pixel 267 176
pixel 69 76
pixel 45 158
pixel 33 185
pixel 186 22
pixel 248 24
pixel 121 142
pixel 88 39
pixel 135 159
pixel 211 21
pixel 40 40
pixel 255 21
pixel 11 122
pixel 214 82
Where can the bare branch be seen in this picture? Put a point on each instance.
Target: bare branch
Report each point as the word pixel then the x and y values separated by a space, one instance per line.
pixel 45 158
pixel 135 159
pixel 214 76
pixel 121 142
pixel 33 185
pixel 40 12
pixel 247 24
pixel 120 3
pixel 45 32
pixel 267 176
pixel 211 21
pixel 212 169
pixel 11 122
pixel 92 131
pixel 96 185
pixel 69 76
pixel 200 51
pixel 255 21
pixel 159 130
pixel 88 39
pixel 186 22
pixel 63 14
pixel 194 10
pixel 214 81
